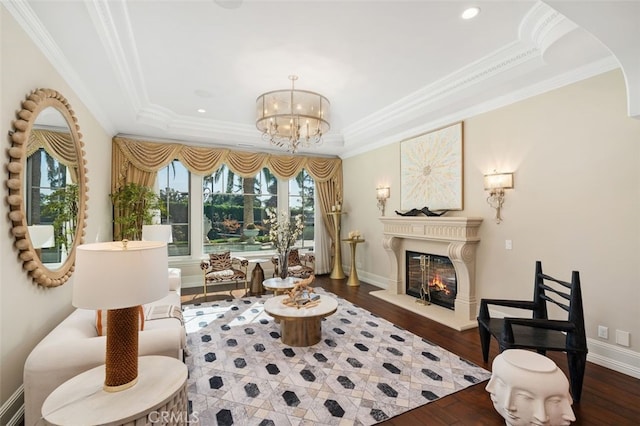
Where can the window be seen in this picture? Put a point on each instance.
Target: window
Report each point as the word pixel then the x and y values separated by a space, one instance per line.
pixel 301 201
pixel 51 199
pixel 173 183
pixel 230 203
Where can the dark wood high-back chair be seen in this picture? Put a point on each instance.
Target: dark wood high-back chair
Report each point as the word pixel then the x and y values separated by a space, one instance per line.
pixel 539 332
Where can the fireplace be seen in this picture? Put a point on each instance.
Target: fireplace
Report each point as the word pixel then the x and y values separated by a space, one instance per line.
pixel 431 279
pixel 451 238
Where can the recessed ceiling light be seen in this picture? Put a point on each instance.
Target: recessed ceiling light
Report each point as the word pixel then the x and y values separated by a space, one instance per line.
pixel 470 13
pixel 202 110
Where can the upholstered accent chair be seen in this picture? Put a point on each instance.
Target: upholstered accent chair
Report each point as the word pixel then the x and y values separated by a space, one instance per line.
pixel 222 268
pixel 299 266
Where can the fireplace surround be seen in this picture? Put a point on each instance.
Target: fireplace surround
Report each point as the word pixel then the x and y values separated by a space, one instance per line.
pixel 454 237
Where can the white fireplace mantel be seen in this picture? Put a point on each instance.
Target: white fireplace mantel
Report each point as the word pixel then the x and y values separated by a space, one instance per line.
pixel 453 237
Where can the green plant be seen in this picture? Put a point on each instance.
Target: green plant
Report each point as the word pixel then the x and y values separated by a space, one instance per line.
pixel 62 205
pixel 133 206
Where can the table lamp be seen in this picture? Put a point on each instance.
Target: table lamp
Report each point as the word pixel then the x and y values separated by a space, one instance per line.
pixel 157 233
pixel 119 276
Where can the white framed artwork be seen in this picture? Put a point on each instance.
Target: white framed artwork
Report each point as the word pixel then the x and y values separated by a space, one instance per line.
pixel 431 172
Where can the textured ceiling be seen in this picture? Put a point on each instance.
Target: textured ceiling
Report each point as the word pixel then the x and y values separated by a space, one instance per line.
pixel 390 69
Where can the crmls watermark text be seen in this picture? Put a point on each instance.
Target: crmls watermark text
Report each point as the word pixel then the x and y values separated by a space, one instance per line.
pixel 171 417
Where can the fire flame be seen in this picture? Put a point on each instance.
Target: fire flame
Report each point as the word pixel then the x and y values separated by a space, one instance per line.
pixel 439 285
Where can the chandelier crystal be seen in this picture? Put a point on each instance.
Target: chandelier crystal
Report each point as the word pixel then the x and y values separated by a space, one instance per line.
pixel 292 118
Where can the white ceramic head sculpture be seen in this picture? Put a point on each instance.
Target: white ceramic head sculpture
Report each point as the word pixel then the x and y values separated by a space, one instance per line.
pixel 529 389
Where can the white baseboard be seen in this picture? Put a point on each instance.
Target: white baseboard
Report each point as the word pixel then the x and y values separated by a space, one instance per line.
pixel 614 357
pixel 11 408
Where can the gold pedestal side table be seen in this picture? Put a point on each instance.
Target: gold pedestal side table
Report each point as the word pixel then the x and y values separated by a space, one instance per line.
pixel 336 272
pixel 353 280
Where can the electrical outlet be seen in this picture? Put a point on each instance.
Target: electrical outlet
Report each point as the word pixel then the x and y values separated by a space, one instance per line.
pixel 603 332
pixel 623 338
pixel 508 244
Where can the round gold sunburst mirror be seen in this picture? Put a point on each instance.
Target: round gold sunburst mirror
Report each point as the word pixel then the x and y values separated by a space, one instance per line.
pixel 47 186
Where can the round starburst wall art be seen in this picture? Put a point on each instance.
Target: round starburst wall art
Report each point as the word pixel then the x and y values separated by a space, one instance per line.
pixel 431 170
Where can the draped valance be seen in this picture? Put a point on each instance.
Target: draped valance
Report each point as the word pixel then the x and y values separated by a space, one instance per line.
pixel 58 145
pixel 138 161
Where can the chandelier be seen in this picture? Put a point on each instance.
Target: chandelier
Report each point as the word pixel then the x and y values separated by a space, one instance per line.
pixel 292 118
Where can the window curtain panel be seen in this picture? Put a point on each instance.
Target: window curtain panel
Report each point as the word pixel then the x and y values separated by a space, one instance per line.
pixel 138 161
pixel 59 145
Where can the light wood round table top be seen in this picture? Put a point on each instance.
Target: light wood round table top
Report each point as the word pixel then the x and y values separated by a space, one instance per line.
pixel 82 400
pixel 278 284
pixel 278 310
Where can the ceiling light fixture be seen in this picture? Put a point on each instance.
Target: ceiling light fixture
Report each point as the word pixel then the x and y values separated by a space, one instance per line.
pixel 292 118
pixel 470 13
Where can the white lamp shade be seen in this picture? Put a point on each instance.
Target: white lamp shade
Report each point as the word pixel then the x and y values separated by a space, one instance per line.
pixel 498 180
pixel 109 276
pixel 41 236
pixel 157 233
pixel 382 193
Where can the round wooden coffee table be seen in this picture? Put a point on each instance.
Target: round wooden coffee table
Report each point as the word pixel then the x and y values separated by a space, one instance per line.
pixel 300 326
pixel 279 285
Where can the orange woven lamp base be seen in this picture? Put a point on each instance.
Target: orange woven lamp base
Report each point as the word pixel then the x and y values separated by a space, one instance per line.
pixel 122 349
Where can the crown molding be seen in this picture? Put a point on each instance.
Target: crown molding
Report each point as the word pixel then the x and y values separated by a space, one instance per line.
pixel 436 121
pixel 113 26
pixel 28 20
pixel 541 27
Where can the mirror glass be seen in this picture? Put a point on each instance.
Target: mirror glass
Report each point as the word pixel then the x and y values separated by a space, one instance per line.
pixel 47 187
pixel 51 188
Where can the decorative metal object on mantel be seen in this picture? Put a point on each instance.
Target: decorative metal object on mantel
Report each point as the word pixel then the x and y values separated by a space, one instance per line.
pixel 424 210
pixel 292 118
pixel 496 183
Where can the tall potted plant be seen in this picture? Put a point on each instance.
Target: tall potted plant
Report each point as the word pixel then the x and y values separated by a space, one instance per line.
pixel 133 206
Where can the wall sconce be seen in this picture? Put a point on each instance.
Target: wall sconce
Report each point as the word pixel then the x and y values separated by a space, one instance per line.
pixel 382 193
pixel 496 183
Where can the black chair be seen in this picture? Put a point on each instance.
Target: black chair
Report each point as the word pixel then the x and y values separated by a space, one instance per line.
pixel 541 333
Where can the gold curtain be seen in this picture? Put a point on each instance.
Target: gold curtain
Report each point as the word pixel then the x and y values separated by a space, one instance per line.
pixel 139 161
pixel 59 145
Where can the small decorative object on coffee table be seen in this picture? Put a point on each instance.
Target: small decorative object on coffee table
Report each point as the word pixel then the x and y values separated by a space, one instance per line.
pixel 302 295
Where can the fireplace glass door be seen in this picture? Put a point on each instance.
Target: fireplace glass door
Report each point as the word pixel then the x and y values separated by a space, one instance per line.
pixel 431 278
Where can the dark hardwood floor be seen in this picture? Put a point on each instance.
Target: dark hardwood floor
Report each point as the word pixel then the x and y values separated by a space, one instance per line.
pixel 608 397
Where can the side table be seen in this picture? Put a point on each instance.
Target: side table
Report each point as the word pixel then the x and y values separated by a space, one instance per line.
pixel 279 285
pixel 353 280
pixel 336 272
pixel 161 390
pixel 300 326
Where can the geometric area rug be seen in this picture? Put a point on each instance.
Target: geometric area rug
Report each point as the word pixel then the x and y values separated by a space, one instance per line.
pixel 363 371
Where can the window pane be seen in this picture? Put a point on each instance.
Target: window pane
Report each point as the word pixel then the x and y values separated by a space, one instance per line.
pixel 231 203
pixel 301 201
pixel 173 182
pixel 51 199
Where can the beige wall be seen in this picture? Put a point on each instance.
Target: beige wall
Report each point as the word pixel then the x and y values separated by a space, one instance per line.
pixel 28 312
pixel 575 205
